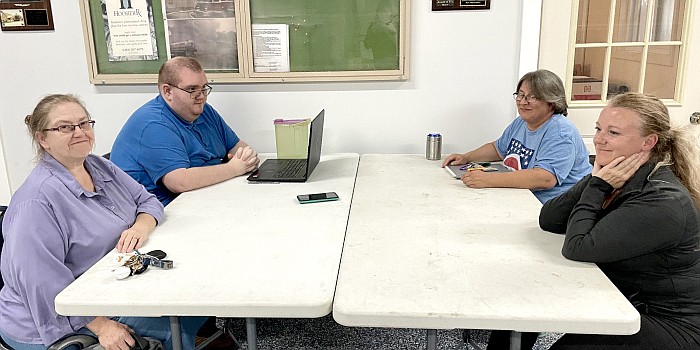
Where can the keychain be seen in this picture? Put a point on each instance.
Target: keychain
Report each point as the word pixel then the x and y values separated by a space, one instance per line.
pixel 138 263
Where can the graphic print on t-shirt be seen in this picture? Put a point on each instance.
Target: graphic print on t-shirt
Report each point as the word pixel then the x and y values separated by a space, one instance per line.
pixel 518 156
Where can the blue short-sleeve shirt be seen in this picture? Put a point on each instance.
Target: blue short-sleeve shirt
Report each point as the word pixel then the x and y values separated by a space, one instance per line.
pixel 556 146
pixel 155 141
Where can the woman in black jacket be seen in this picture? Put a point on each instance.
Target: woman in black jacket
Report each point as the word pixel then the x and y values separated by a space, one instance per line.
pixel 637 217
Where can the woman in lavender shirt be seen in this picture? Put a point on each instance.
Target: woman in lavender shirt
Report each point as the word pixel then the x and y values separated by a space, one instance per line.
pixel 71 210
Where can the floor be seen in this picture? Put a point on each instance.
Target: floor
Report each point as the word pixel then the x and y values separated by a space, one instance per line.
pixel 325 333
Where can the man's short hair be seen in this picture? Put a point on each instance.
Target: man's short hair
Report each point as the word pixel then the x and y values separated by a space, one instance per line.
pixel 169 71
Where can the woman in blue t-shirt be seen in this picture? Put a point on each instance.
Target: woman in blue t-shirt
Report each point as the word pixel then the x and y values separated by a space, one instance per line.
pixel 543 147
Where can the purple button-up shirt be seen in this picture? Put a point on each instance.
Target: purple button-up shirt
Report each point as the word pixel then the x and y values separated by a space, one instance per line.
pixel 54 231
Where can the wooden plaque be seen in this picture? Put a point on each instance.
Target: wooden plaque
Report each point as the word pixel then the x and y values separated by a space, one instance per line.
pixel 26 15
pixel 448 5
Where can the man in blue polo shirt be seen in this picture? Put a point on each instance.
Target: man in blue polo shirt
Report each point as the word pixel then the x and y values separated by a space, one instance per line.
pixel 177 142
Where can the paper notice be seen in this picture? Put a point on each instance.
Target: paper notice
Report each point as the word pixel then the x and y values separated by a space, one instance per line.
pixel 270 48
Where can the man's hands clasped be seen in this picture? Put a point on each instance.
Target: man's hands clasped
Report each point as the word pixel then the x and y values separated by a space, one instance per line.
pixel 244 160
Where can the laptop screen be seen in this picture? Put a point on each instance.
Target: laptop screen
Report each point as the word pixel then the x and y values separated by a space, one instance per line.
pixel 315 140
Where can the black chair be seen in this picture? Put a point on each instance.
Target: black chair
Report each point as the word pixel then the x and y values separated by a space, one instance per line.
pixel 75 341
pixel 2 239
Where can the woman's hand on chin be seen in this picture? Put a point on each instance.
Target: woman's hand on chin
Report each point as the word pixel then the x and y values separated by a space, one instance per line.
pixel 621 169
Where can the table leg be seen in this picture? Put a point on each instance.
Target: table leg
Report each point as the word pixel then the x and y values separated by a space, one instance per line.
pixel 515 340
pixel 175 330
pixel 432 339
pixel 251 333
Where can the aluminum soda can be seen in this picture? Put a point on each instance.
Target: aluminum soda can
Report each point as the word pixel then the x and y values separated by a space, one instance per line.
pixel 433 147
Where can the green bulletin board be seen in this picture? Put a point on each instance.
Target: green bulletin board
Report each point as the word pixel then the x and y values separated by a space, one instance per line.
pixel 336 35
pixel 329 40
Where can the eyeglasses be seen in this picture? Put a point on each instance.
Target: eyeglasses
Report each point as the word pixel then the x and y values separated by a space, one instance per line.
pixel 70 128
pixel 520 96
pixel 194 93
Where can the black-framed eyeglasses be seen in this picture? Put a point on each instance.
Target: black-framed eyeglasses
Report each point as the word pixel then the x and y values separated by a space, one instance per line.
pixel 70 128
pixel 520 96
pixel 194 93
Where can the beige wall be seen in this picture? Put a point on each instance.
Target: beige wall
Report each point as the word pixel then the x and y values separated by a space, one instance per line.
pixel 464 67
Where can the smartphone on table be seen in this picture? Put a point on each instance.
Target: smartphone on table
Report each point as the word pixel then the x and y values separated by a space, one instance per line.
pixel 317 197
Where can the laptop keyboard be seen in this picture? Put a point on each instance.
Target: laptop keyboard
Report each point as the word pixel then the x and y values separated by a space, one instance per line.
pixel 291 168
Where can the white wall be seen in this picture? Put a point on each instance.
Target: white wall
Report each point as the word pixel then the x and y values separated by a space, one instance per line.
pixel 464 66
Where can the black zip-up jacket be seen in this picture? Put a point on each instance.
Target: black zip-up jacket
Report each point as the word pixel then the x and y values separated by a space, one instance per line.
pixel 646 240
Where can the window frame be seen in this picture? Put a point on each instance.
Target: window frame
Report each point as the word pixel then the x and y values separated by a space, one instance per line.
pixel 651 51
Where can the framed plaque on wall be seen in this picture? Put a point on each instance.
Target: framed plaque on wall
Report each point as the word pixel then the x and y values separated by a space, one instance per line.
pixel 445 5
pixel 26 15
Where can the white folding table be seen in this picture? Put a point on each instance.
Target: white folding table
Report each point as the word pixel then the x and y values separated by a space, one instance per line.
pixel 239 250
pixel 422 250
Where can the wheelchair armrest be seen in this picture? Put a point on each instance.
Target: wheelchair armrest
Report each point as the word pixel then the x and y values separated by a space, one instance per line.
pixel 81 340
